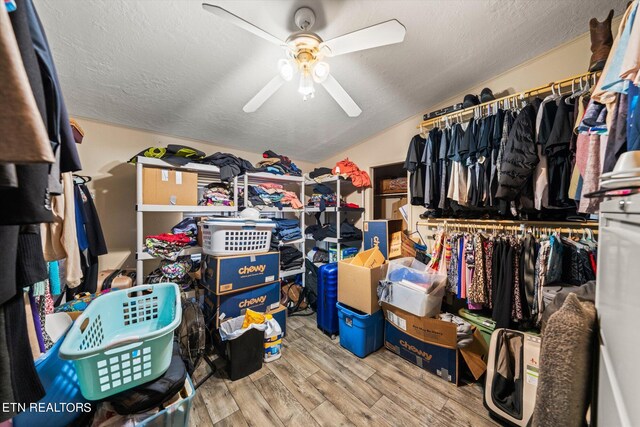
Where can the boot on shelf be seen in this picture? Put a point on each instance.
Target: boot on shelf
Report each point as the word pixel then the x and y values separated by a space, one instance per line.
pixel 601 42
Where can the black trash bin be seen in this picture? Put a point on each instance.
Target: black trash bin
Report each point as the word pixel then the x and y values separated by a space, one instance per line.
pixel 244 354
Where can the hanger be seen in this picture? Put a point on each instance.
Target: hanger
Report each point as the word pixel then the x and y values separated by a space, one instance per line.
pixel 81 179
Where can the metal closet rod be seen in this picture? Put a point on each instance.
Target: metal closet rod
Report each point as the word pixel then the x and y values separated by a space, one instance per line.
pixel 549 87
pixel 508 225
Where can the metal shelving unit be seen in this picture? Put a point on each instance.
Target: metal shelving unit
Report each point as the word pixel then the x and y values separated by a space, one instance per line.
pixel 337 212
pixel 290 183
pixel 206 174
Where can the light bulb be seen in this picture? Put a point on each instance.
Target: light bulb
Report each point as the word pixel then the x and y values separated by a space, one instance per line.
pixel 306 88
pixel 320 72
pixel 286 69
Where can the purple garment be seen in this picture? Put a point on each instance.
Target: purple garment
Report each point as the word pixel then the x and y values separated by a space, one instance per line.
pixel 36 321
pixel 460 255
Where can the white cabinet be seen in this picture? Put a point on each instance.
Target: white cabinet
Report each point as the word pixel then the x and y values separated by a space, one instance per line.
pixel 618 301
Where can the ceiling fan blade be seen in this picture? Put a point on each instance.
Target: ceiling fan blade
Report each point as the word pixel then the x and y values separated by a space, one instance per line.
pixel 341 96
pixel 382 34
pixel 236 20
pixel 264 94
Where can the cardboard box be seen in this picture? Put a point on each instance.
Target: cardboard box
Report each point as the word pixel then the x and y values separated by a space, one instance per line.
pixel 217 308
pixel 280 314
pixel 169 187
pixel 432 344
pixel 380 232
pixel 438 360
pixel 229 274
pixel 358 279
pixel 396 213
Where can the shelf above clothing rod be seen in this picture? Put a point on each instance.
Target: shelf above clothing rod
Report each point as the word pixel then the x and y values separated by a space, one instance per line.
pixel 588 77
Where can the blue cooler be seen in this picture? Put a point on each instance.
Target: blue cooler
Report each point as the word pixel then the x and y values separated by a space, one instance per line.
pixel 360 333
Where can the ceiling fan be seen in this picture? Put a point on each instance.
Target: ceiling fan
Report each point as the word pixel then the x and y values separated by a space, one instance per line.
pixel 306 52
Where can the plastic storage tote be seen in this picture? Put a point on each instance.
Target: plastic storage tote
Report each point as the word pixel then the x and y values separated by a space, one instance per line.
pixel 124 339
pixel 412 270
pixel 327 316
pixel 360 333
pixel 60 382
pixel 175 415
pixel 236 236
pixel 415 299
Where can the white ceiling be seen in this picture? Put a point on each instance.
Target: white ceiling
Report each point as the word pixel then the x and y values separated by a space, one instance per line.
pixel 168 66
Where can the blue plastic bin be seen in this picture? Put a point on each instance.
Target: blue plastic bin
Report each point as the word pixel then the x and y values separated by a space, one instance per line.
pixel 60 382
pixel 327 313
pixel 360 333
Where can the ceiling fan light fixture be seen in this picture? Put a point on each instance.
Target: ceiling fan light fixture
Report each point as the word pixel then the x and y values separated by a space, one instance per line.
pixel 306 88
pixel 320 72
pixel 286 69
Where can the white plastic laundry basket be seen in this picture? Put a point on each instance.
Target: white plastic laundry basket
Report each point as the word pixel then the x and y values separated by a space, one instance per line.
pixel 236 236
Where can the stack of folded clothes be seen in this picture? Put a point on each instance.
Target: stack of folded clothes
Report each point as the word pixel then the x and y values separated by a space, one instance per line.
pixel 182 272
pixel 276 164
pixel 271 195
pixel 320 174
pixel 216 195
pixel 167 245
pixel 290 258
pixel 318 255
pixel 188 226
pixel 324 197
pixel 347 231
pixel 287 230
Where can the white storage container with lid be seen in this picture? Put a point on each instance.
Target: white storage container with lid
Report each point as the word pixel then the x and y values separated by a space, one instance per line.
pixel 236 236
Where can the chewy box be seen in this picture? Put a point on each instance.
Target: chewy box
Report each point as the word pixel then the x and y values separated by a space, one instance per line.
pixel 381 233
pixel 432 344
pixel 229 274
pixel 217 308
pixel 280 314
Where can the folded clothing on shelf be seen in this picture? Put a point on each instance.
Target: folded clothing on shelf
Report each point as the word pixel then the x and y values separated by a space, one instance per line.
pixel 271 195
pixel 347 231
pixel 286 230
pixel 167 245
pixel 187 226
pixel 277 164
pixel 318 255
pixel 290 258
pixel 182 272
pixel 218 194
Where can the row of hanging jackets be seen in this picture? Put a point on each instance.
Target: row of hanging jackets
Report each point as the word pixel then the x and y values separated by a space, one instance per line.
pixel 506 273
pixel 509 160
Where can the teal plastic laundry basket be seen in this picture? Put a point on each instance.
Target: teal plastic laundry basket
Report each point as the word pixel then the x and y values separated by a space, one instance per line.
pixel 124 339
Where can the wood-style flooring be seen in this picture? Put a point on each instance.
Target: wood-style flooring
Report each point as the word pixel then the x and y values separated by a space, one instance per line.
pixel 317 382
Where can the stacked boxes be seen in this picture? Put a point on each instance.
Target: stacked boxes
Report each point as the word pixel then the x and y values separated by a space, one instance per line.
pixel 233 284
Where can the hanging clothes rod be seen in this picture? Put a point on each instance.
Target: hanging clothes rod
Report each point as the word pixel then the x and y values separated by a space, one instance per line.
pixel 507 225
pixel 589 77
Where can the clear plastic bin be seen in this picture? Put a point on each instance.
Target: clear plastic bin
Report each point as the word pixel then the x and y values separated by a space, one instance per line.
pixel 413 271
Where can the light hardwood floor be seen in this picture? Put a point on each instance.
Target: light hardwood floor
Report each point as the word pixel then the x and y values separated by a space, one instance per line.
pixel 317 382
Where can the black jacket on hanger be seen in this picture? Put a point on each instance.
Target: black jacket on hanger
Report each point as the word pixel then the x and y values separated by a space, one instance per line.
pixel 520 155
pixel 413 164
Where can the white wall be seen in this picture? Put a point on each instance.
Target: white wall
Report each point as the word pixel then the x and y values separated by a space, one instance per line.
pixel 104 153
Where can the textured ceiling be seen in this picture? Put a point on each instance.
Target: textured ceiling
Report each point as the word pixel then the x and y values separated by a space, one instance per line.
pixel 168 66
